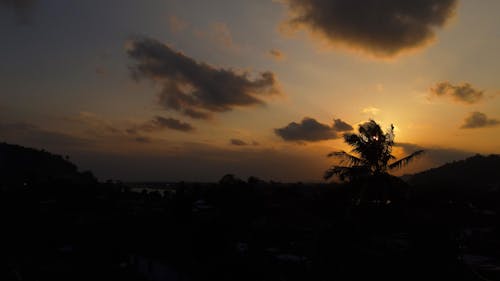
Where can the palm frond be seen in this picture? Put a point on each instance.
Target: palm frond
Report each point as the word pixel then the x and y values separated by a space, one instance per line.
pixel 340 171
pixel 404 161
pixel 344 172
pixel 353 140
pixel 346 157
pixel 389 135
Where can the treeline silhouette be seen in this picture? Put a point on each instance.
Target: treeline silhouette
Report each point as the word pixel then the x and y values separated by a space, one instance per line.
pixel 21 165
pixel 61 224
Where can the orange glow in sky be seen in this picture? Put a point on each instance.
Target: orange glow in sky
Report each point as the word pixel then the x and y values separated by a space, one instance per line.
pixel 173 90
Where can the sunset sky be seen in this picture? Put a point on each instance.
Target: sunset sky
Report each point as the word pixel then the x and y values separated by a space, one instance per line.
pixel 194 89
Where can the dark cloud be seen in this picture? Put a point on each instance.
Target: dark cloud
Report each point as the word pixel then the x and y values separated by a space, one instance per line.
pixel 194 88
pixel 97 127
pixel 380 27
pixel 463 93
pixel 277 54
pixel 479 120
pixel 172 123
pixel 310 130
pixel 193 113
pixel 156 124
pixel 341 126
pixel 142 139
pixel 159 123
pixel 238 142
pixel 23 9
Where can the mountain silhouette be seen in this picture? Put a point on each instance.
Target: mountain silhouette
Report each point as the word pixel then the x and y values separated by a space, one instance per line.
pixel 477 172
pixel 21 165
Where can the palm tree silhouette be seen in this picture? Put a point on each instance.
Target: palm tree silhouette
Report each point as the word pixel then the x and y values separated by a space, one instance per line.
pixel 370 156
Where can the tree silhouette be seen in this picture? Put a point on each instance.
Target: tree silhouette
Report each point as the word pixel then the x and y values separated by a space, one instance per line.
pixel 370 156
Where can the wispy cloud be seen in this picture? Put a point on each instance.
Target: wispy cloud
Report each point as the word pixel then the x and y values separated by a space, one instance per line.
pixel 99 128
pixel 238 142
pixel 371 110
pixel 194 88
pixel 159 123
pixel 463 93
pixel 277 54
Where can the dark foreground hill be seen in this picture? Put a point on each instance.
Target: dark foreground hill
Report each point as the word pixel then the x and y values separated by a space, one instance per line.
pixel 23 166
pixel 479 172
pixel 58 229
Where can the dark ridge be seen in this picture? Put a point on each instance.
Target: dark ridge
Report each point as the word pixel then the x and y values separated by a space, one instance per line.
pixel 58 226
pixel 478 171
pixel 21 165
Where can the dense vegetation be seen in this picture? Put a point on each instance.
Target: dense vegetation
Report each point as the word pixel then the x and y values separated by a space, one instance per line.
pixel 63 225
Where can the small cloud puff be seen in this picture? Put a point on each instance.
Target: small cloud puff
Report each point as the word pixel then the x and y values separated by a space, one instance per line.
pixel 479 120
pixel 277 54
pixel 463 93
pixel 311 130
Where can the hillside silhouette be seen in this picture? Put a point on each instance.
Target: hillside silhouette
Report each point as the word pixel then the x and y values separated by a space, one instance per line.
pixel 478 172
pixel 21 166
pixel 62 224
